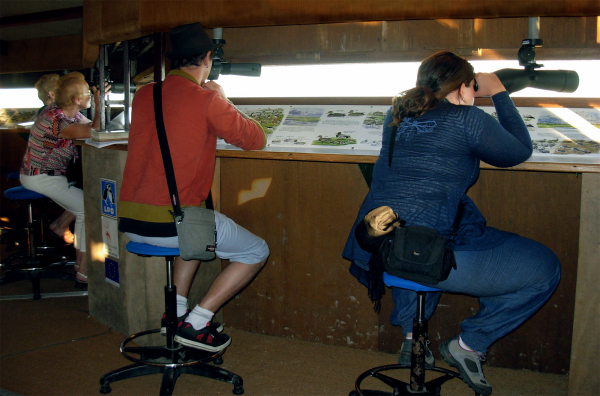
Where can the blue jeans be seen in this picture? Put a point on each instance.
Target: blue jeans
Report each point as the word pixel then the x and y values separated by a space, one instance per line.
pixel 512 281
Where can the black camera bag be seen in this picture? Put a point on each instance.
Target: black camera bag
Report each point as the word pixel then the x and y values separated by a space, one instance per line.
pixel 419 254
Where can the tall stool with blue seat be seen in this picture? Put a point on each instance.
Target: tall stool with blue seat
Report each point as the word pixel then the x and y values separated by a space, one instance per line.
pixel 172 359
pixel 41 242
pixel 32 264
pixel 417 385
pixel 11 236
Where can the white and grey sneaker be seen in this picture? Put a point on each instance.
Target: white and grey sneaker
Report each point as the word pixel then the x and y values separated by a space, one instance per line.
pixel 405 355
pixel 468 364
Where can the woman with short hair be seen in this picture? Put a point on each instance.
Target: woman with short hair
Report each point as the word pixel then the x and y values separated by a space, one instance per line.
pixel 45 87
pixel 50 149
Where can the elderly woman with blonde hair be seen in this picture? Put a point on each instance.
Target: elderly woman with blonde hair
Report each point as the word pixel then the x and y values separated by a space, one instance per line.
pixel 45 87
pixel 51 148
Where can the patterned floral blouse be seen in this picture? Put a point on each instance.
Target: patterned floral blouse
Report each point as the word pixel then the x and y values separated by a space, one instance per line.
pixel 47 153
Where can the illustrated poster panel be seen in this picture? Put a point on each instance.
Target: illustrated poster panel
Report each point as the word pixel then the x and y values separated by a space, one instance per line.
pixel 559 135
pixel 320 128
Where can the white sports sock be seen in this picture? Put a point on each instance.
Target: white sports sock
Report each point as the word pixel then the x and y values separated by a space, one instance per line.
pixel 181 305
pixel 463 345
pixel 199 317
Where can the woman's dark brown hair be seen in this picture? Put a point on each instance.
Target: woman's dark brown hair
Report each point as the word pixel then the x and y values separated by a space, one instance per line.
pixel 438 75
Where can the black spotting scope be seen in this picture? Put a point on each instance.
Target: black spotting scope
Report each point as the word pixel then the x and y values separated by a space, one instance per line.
pixel 221 66
pixel 552 80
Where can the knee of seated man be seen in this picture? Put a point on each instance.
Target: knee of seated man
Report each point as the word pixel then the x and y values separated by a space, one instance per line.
pixel 264 253
pixel 259 254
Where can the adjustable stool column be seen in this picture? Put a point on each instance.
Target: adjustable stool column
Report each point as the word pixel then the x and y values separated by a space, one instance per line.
pixel 32 264
pixel 173 359
pixel 417 385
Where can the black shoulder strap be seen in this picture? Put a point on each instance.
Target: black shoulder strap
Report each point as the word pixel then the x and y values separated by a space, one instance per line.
pixel 164 149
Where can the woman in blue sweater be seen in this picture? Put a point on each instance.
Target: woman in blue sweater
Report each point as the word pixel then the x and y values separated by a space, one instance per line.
pixel 433 141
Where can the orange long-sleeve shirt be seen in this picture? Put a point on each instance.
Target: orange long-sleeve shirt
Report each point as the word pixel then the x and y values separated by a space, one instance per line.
pixel 194 118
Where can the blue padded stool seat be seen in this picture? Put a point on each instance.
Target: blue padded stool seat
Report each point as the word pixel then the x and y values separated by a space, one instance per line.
pixel 394 281
pixel 15 175
pixel 144 249
pixel 21 193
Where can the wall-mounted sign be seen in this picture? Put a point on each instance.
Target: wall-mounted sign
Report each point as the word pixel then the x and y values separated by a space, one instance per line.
pixel 110 234
pixel 109 198
pixel 111 269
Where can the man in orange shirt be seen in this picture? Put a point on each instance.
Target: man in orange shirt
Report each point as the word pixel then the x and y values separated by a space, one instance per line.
pixel 196 112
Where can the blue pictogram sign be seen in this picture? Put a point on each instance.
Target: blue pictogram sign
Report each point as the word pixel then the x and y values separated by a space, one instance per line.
pixel 109 198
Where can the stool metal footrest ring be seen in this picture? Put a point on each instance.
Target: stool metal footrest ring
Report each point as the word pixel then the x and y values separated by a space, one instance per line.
pixel 171 362
pixel 400 388
pixel 164 356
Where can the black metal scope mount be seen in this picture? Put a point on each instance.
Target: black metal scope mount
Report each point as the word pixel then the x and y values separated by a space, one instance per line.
pixel 222 66
pixel 526 53
pixel 552 80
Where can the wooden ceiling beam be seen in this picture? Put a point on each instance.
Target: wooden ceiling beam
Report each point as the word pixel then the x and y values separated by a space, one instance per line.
pixel 107 21
pixel 63 14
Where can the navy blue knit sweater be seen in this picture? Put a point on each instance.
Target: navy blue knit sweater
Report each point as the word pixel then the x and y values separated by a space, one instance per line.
pixel 435 160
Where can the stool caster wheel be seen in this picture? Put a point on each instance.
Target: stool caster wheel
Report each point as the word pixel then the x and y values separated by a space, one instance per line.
pixel 104 389
pixel 238 390
pixel 218 361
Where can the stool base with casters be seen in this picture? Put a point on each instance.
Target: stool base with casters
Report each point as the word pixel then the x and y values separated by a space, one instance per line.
pixel 32 264
pixel 417 384
pixel 173 359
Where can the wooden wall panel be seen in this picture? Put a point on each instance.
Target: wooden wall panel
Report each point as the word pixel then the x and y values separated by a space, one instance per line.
pixel 564 38
pixel 305 290
pixel 47 54
pixel 583 379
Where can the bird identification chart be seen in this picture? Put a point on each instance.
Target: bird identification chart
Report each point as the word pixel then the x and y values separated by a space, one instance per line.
pixel 561 135
pixel 320 129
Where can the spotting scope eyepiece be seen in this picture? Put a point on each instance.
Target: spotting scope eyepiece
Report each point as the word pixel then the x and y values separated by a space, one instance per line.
pixel 552 80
